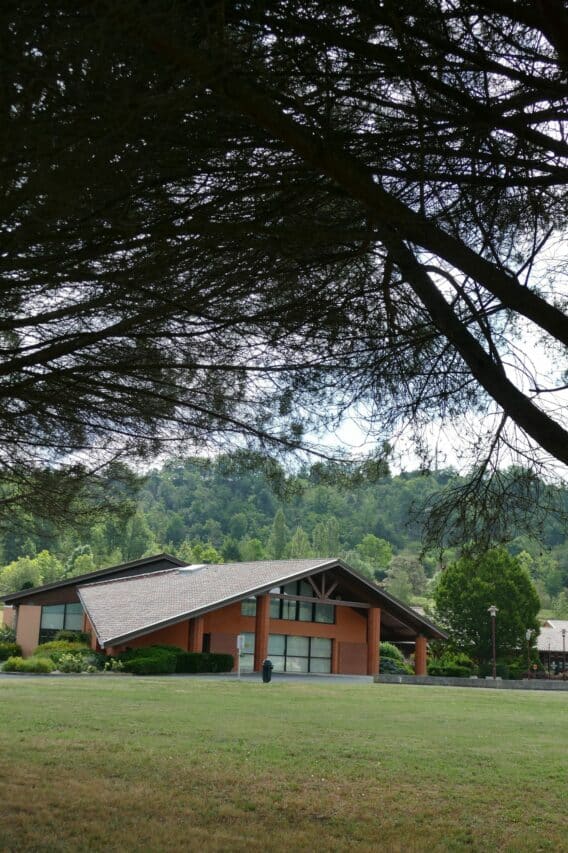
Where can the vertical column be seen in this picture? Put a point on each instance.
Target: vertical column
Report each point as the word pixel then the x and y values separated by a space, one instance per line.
pixel 373 639
pixel 261 630
pixel 196 634
pixel 335 656
pixel 420 650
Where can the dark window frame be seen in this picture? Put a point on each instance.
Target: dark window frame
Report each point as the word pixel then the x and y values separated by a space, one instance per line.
pixel 284 604
pixel 309 657
pixel 46 634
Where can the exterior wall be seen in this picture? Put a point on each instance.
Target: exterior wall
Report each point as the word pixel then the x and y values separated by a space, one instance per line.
pixel 27 635
pixel 7 615
pixel 349 633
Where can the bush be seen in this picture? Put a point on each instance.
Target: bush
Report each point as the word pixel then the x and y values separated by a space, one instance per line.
pixel 33 664
pixel 388 665
pixel 501 670
pixel 73 636
pixel 204 662
pixel 160 662
pixel 452 665
pixel 389 650
pixel 56 648
pixel 7 634
pixel 76 663
pixel 8 650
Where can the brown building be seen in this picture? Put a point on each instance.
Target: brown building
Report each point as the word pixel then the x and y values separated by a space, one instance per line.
pixel 312 615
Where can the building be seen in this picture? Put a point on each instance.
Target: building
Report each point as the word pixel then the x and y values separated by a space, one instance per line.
pixel 552 644
pixel 311 615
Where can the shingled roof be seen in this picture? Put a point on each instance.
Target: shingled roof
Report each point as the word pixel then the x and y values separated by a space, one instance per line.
pixel 122 609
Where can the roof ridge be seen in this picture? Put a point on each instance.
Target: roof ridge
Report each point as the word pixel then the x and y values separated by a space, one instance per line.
pixel 132 577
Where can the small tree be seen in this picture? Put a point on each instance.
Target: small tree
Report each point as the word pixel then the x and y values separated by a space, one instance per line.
pixel 469 586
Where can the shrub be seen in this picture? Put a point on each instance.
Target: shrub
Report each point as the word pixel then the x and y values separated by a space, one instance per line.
pixel 389 650
pixel 7 634
pixel 8 650
pixel 56 648
pixel 454 670
pixel 33 664
pixel 75 663
pixel 501 670
pixel 388 665
pixel 204 662
pixel 452 665
pixel 72 636
pixel 159 663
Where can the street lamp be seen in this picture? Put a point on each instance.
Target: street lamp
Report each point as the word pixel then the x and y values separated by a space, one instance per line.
pixel 493 610
pixel 563 632
pixel 528 635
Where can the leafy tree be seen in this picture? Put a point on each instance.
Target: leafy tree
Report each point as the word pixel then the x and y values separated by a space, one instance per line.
pixel 469 586
pixel 26 572
pixel 299 545
pixel 345 202
pixel 412 568
pixel 377 553
pixel 251 550
pixel 279 536
pixel 398 583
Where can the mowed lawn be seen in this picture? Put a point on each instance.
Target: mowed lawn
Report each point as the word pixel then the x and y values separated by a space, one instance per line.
pixel 123 763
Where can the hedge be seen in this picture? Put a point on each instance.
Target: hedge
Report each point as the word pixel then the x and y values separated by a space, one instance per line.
pixel 56 648
pixel 8 650
pixel 33 664
pixel 150 661
pixel 204 662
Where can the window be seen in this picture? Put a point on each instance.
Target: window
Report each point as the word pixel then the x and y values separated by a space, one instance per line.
pixel 247 653
pixel 300 611
pixel 248 607
pixel 56 617
pixel 299 654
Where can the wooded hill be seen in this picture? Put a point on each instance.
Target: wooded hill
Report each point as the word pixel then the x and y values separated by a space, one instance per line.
pixel 209 510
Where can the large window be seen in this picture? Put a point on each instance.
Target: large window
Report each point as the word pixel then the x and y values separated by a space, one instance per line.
pixel 247 653
pixel 300 611
pixel 299 654
pixel 248 607
pixel 55 617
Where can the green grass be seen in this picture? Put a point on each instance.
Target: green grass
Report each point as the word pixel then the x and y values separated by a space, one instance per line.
pixel 121 764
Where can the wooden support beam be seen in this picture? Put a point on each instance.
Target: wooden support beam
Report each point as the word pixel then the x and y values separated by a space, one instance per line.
pixel 420 652
pixel 373 639
pixel 335 601
pixel 195 643
pixel 262 627
pixel 317 591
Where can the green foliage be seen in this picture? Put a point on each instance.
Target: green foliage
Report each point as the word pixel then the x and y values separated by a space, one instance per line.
pixel 55 649
pixel 33 664
pixel 204 662
pixel 153 662
pixel 389 650
pixel 468 587
pixel 278 536
pixel 8 650
pixel 68 636
pixel 7 634
pixel 69 662
pixel 389 665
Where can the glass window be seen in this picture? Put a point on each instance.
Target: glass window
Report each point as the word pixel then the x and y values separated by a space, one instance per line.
pixel 296 664
pixel 320 665
pixel 306 589
pixel 247 663
pixel 276 645
pixel 324 613
pixel 289 609
pixel 306 612
pixel 53 617
pixel 278 662
pixel 275 608
pixel 290 589
pixel 248 607
pixel 320 647
pixel 298 646
pixel 74 617
pixel 248 648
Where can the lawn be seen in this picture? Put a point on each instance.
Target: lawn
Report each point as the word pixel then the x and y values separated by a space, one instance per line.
pixel 121 764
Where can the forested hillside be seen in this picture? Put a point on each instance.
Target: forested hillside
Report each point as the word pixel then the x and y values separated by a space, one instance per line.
pixel 206 510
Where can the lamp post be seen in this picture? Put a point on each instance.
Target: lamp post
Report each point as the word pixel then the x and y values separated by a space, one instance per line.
pixel 528 635
pixel 493 610
pixel 549 658
pixel 563 632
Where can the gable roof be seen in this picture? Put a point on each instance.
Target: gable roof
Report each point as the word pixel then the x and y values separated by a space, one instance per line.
pixel 135 567
pixel 550 636
pixel 122 609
